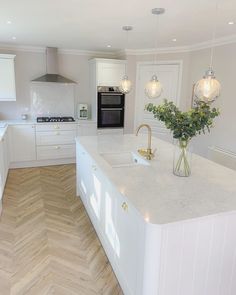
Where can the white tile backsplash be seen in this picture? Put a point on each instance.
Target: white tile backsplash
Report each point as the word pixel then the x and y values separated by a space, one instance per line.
pixel 52 99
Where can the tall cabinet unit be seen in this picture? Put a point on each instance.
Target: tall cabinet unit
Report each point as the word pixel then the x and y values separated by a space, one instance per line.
pixel 104 72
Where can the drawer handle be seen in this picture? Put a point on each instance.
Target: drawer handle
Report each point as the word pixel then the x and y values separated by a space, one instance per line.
pixel 125 206
pixel 57 147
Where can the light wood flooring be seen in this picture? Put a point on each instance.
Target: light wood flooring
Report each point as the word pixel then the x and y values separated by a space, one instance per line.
pixel 47 243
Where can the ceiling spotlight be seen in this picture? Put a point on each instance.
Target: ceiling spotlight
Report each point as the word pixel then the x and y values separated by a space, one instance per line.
pixel 231 23
pixel 9 22
pixel 108 46
pixel 174 40
pixel 13 38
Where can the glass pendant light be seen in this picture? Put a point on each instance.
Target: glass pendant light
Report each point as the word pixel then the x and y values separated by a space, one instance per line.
pixel 154 88
pixel 125 84
pixel 208 88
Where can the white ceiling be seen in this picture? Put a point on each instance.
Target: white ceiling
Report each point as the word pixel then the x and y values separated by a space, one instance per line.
pixel 93 24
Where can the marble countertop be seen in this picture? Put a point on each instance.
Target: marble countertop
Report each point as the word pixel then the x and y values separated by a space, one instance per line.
pixel 158 195
pixel 17 122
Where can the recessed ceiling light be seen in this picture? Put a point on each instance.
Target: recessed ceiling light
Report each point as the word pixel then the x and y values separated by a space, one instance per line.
pixel 13 38
pixel 231 23
pixel 9 22
pixel 174 40
pixel 108 46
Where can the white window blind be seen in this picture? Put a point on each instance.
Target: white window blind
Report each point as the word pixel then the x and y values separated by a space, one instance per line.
pixel 7 78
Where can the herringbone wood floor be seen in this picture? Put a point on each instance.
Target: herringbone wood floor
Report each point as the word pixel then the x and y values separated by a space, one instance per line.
pixel 47 243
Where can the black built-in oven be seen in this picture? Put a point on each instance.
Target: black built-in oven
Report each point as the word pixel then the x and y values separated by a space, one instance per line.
pixel 111 107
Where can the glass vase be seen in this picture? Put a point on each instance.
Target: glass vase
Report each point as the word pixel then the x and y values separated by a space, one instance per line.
pixel 182 159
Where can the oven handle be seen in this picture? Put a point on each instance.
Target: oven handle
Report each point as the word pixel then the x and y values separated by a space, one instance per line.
pixel 111 109
pixel 111 93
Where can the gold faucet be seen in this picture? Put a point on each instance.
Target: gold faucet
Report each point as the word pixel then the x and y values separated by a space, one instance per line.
pixel 146 153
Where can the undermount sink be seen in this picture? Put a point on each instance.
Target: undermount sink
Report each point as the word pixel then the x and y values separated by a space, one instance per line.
pixel 124 159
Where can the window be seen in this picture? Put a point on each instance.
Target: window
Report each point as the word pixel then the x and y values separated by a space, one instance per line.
pixel 7 78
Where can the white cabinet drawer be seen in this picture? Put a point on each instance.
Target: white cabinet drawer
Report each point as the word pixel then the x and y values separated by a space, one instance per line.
pixel 56 126
pixel 114 131
pixel 56 152
pixel 55 137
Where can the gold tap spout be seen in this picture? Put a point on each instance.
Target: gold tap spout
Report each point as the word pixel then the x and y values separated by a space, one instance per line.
pixel 147 153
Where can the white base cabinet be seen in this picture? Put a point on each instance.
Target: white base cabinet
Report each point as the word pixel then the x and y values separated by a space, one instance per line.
pixel 4 162
pixel 117 223
pixel 22 143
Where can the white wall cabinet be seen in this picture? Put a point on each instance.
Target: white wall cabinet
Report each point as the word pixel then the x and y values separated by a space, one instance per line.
pixel 22 143
pixel 110 73
pixel 7 74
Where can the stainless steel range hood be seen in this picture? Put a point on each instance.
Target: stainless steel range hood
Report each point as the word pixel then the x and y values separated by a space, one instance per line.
pixel 52 74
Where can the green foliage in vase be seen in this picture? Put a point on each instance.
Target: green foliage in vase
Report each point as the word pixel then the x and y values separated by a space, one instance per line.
pixel 184 125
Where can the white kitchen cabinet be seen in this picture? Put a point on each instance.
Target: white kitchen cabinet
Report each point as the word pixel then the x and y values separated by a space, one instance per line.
pixel 129 237
pixel 55 141
pixel 2 168
pixel 55 137
pixel 113 131
pixel 22 142
pixel 87 128
pixel 110 73
pixel 4 161
pixel 104 72
pixel 117 223
pixel 53 152
pixel 6 151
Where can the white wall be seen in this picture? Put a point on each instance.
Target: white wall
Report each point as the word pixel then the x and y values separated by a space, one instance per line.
pixel 30 65
pixel 223 135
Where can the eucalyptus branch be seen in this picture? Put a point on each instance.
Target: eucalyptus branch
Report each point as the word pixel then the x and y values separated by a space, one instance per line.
pixel 184 125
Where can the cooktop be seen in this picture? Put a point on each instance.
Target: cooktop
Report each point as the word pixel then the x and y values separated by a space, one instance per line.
pixel 55 119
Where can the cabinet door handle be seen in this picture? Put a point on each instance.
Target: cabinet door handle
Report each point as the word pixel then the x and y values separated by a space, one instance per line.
pixel 125 206
pixel 32 126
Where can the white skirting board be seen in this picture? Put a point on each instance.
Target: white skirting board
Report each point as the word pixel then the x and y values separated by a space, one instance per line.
pixel 223 157
pixel 41 163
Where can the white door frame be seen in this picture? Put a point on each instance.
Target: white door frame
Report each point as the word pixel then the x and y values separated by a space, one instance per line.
pixel 162 62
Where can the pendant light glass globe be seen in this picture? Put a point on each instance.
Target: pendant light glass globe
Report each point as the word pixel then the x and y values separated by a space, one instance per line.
pixel 125 85
pixel 208 88
pixel 153 88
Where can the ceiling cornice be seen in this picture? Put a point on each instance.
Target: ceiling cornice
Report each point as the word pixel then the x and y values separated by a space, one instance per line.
pixel 38 49
pixel 177 49
pixel 86 52
pixel 181 49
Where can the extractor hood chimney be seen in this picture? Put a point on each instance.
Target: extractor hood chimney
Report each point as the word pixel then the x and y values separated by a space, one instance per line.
pixel 52 74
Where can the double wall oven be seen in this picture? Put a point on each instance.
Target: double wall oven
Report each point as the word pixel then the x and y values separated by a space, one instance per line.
pixel 111 107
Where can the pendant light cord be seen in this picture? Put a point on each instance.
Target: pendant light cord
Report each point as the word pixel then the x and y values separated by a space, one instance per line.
pixel 127 40
pixel 214 37
pixel 156 39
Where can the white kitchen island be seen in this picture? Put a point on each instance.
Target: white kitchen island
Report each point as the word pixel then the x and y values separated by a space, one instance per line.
pixel 163 234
